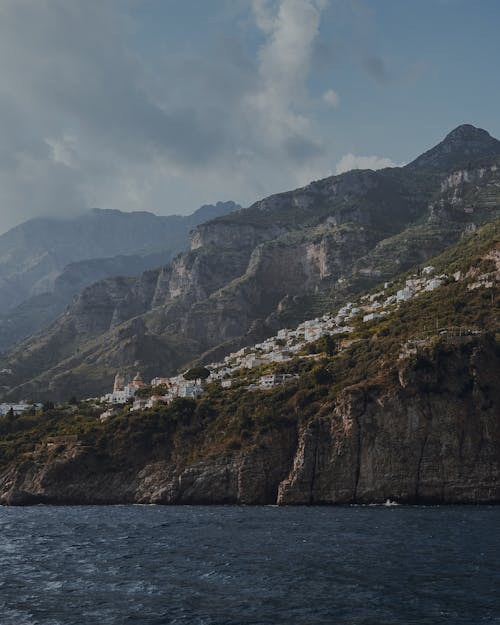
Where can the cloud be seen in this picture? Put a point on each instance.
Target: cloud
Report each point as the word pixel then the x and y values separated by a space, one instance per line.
pixel 291 30
pixel 331 98
pixel 87 120
pixel 351 161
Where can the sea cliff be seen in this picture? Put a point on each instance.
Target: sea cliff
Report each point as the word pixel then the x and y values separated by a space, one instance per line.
pixel 427 433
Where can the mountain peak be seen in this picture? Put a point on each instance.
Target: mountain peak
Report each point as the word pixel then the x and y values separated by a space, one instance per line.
pixel 468 132
pixel 462 145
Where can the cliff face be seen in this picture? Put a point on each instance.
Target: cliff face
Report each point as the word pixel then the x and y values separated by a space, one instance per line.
pixel 435 439
pixel 287 258
pixel 431 435
pixel 44 263
pixel 35 253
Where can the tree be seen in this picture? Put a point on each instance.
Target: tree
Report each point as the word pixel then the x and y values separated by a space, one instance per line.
pixel 197 372
pixel 325 344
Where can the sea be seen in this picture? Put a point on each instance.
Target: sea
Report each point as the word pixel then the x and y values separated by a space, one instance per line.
pixel 218 565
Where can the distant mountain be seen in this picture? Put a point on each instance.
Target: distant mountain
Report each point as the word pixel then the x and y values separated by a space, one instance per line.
pixel 45 262
pixel 287 258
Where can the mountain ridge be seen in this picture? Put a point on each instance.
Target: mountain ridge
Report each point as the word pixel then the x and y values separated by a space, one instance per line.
pixel 59 257
pixel 249 272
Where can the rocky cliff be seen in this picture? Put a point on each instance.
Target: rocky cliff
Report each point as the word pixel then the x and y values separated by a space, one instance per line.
pixel 44 263
pixel 432 435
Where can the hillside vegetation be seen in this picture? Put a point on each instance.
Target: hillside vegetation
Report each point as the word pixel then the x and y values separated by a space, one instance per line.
pixel 404 407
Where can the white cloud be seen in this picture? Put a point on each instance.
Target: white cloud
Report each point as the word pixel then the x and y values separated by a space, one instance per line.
pixel 291 28
pixel 351 161
pixel 85 120
pixel 331 98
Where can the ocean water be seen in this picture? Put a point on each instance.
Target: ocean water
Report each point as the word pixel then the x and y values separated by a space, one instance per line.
pixel 146 565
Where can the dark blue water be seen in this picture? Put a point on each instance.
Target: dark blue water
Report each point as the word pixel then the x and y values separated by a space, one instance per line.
pixel 233 566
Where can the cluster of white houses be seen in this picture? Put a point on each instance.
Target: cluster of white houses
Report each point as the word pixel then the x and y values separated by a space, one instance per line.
pixel 277 349
pixel 377 305
pixel 168 389
pixel 17 408
pixel 287 344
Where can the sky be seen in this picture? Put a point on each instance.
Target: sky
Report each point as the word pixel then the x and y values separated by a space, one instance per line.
pixel 165 105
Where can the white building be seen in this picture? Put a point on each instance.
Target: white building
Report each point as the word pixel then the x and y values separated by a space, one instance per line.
pixel 433 284
pixel 17 409
pixel 159 382
pixel 371 317
pixel 404 294
pixel 192 391
pixel 271 380
pixel 123 392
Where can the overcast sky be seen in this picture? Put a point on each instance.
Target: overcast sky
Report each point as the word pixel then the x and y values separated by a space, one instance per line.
pixel 164 105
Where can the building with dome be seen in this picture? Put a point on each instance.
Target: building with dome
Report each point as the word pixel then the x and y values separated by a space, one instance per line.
pixel 123 391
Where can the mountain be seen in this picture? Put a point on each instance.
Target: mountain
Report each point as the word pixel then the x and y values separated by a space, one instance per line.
pixel 404 407
pixel 286 258
pixel 459 148
pixel 45 262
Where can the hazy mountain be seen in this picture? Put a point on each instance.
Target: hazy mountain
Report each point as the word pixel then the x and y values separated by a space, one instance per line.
pixel 33 254
pixel 45 262
pixel 284 259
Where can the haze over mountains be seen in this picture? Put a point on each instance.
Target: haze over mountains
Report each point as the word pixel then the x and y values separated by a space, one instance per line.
pixel 44 262
pixel 284 259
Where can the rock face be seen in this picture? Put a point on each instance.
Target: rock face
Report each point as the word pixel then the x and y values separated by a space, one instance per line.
pixel 408 446
pixel 430 436
pixel 44 263
pixel 287 258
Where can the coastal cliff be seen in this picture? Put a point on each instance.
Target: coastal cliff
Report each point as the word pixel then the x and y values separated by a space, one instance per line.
pixel 426 432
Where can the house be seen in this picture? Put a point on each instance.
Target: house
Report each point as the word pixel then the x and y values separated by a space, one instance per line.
pixel 404 294
pixel 371 317
pixel 139 404
pixel 123 392
pixel 313 333
pixel 156 399
pixel 159 382
pixel 252 361
pixel 433 284
pixel 17 409
pixel 192 391
pixel 273 379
